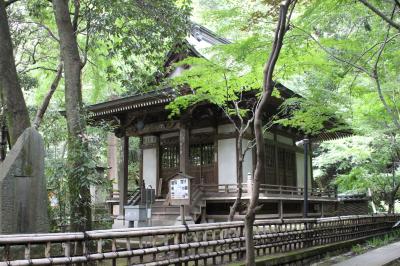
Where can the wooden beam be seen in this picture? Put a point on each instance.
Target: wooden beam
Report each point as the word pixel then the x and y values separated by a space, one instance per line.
pixel 152 128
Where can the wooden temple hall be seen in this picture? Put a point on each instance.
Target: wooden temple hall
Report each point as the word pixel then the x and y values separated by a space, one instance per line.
pixel 201 145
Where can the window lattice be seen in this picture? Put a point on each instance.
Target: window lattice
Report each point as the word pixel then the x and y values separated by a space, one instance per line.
pixel 201 154
pixel 170 156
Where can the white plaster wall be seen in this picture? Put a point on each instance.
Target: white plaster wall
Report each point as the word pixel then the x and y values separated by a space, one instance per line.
pixel 150 167
pixel 300 170
pixel 284 140
pixel 227 162
pixel 248 161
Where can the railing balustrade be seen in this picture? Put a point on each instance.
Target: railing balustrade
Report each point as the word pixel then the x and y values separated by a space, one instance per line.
pixel 202 244
pixel 267 190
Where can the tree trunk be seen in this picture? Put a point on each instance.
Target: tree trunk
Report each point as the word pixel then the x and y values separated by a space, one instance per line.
pixel 239 147
pixel 268 86
pixel 391 206
pixel 16 110
pixel 77 148
pixel 392 198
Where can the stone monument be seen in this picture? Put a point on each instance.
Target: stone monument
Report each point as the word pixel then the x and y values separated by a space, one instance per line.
pixel 23 195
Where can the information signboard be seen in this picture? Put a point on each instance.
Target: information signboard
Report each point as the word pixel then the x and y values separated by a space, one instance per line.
pixel 180 189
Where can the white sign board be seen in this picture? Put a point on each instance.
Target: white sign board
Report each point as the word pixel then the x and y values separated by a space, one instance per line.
pixel 180 189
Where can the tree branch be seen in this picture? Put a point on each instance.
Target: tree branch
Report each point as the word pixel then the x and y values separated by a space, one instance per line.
pixel 77 6
pixel 380 14
pixel 290 15
pixel 397 3
pixel 86 50
pixel 375 75
pixel 362 69
pixel 39 67
pixel 9 2
pixel 42 110
pixel 40 25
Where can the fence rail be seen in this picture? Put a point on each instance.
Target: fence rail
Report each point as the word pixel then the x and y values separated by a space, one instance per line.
pixel 203 244
pixel 268 190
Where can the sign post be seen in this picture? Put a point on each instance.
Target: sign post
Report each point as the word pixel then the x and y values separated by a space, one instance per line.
pixel 179 187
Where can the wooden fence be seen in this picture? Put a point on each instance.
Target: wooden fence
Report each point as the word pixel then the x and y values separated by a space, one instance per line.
pixel 201 244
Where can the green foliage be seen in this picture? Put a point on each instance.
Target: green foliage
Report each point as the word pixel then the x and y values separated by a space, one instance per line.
pixel 57 168
pixel 376 242
pixel 230 71
pixel 133 167
pixel 237 19
pixel 357 164
pixel 125 43
pixel 138 35
pixel 335 95
pixel 357 249
pixel 128 41
pixel 384 240
pixel 327 35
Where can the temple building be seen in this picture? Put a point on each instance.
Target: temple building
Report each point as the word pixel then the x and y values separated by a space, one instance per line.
pixel 201 144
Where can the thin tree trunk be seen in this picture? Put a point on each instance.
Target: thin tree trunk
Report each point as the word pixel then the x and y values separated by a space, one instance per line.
pixel 392 197
pixel 239 147
pixel 79 194
pixel 391 206
pixel 42 110
pixel 16 110
pixel 268 86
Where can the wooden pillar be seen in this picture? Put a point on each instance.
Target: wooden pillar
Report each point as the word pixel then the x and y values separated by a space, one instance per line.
pixel 157 191
pixel 141 182
pixel 277 181
pixel 322 209
pixel 123 185
pixel 183 162
pixel 311 165
pixel 183 149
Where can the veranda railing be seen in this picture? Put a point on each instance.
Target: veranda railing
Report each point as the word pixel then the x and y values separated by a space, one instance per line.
pixel 268 190
pixel 200 243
